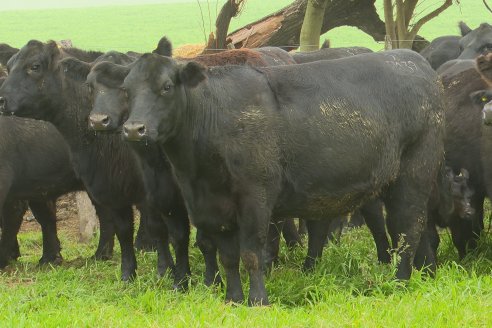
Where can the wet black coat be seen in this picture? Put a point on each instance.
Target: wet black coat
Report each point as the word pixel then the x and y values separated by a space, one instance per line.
pixel 247 144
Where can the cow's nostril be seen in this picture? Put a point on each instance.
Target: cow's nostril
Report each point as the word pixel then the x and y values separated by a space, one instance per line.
pixel 105 121
pixel 125 131
pixel 141 130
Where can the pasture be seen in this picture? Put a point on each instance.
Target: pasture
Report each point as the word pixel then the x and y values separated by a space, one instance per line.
pixel 347 288
pixel 138 28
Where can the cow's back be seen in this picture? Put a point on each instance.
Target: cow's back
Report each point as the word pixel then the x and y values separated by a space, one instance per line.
pixel 362 112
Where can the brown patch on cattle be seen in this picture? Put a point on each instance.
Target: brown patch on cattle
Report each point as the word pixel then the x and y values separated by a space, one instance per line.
pixel 232 57
pixel 484 67
pixel 250 260
pixel 188 50
pixel 255 36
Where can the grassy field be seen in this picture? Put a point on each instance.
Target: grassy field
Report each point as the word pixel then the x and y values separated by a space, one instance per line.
pixel 132 27
pixel 348 287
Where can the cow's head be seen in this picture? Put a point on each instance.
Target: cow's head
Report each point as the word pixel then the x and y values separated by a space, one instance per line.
pixel 475 42
pixel 482 99
pixel 454 195
pixel 110 106
pixel 109 101
pixel 157 89
pixel 484 67
pixel 462 193
pixel 33 86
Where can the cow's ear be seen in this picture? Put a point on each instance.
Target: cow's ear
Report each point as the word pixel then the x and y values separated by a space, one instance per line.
pixel 164 47
pixel 111 75
pixel 464 28
pixel 481 97
pixel 191 74
pixel 75 69
pixel 53 50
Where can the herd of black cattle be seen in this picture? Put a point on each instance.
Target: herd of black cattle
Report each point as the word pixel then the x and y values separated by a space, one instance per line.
pixel 242 141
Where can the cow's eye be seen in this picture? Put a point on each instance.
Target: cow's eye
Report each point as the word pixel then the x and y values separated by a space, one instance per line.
pixel 486 48
pixel 166 88
pixel 35 67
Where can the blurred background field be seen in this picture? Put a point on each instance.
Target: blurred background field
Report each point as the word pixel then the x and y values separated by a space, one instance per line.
pixel 138 25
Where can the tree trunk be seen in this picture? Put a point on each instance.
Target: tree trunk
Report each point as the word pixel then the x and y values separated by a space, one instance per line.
pixel 311 26
pixel 229 10
pixel 391 40
pixel 87 217
pixel 282 28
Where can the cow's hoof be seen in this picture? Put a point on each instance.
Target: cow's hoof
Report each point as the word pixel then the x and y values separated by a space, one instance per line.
pixel 213 280
pixel 52 259
pixel 4 262
pixel 261 301
pixel 128 276
pixel 102 256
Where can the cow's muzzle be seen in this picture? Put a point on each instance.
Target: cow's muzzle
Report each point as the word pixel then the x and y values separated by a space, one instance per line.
pixel 134 131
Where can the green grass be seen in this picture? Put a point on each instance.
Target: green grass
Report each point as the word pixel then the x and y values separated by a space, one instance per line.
pixel 347 288
pixel 138 27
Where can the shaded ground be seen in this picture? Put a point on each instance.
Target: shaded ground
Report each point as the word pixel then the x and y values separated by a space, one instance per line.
pixel 67 215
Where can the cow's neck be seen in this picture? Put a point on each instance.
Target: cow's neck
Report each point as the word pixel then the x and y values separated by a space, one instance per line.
pixel 71 118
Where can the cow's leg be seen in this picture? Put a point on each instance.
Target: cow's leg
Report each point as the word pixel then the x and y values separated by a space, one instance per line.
pixel 123 223
pixel 179 232
pixel 434 239
pixel 45 214
pixel 302 227
pixel 12 215
pixel 228 246
pixel 407 197
pixel 356 219
pixel 143 241
pixel 373 215
pixel 106 233
pixel 465 233
pixel 273 243
pixel 317 236
pixel 425 257
pixel 157 231
pixel 290 233
pixel 253 220
pixel 209 250
pixel 10 226
pixel 406 215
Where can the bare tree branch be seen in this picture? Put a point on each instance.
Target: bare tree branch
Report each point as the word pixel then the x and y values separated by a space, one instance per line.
pixel 230 9
pixel 415 29
pixel 401 27
pixel 390 23
pixel 409 7
pixel 487 6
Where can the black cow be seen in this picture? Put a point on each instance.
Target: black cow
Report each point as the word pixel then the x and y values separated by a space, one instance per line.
pixel 110 108
pixel 464 146
pixel 476 42
pixel 247 144
pixel 6 52
pixel 161 190
pixel 441 50
pixel 35 166
pixel 37 87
